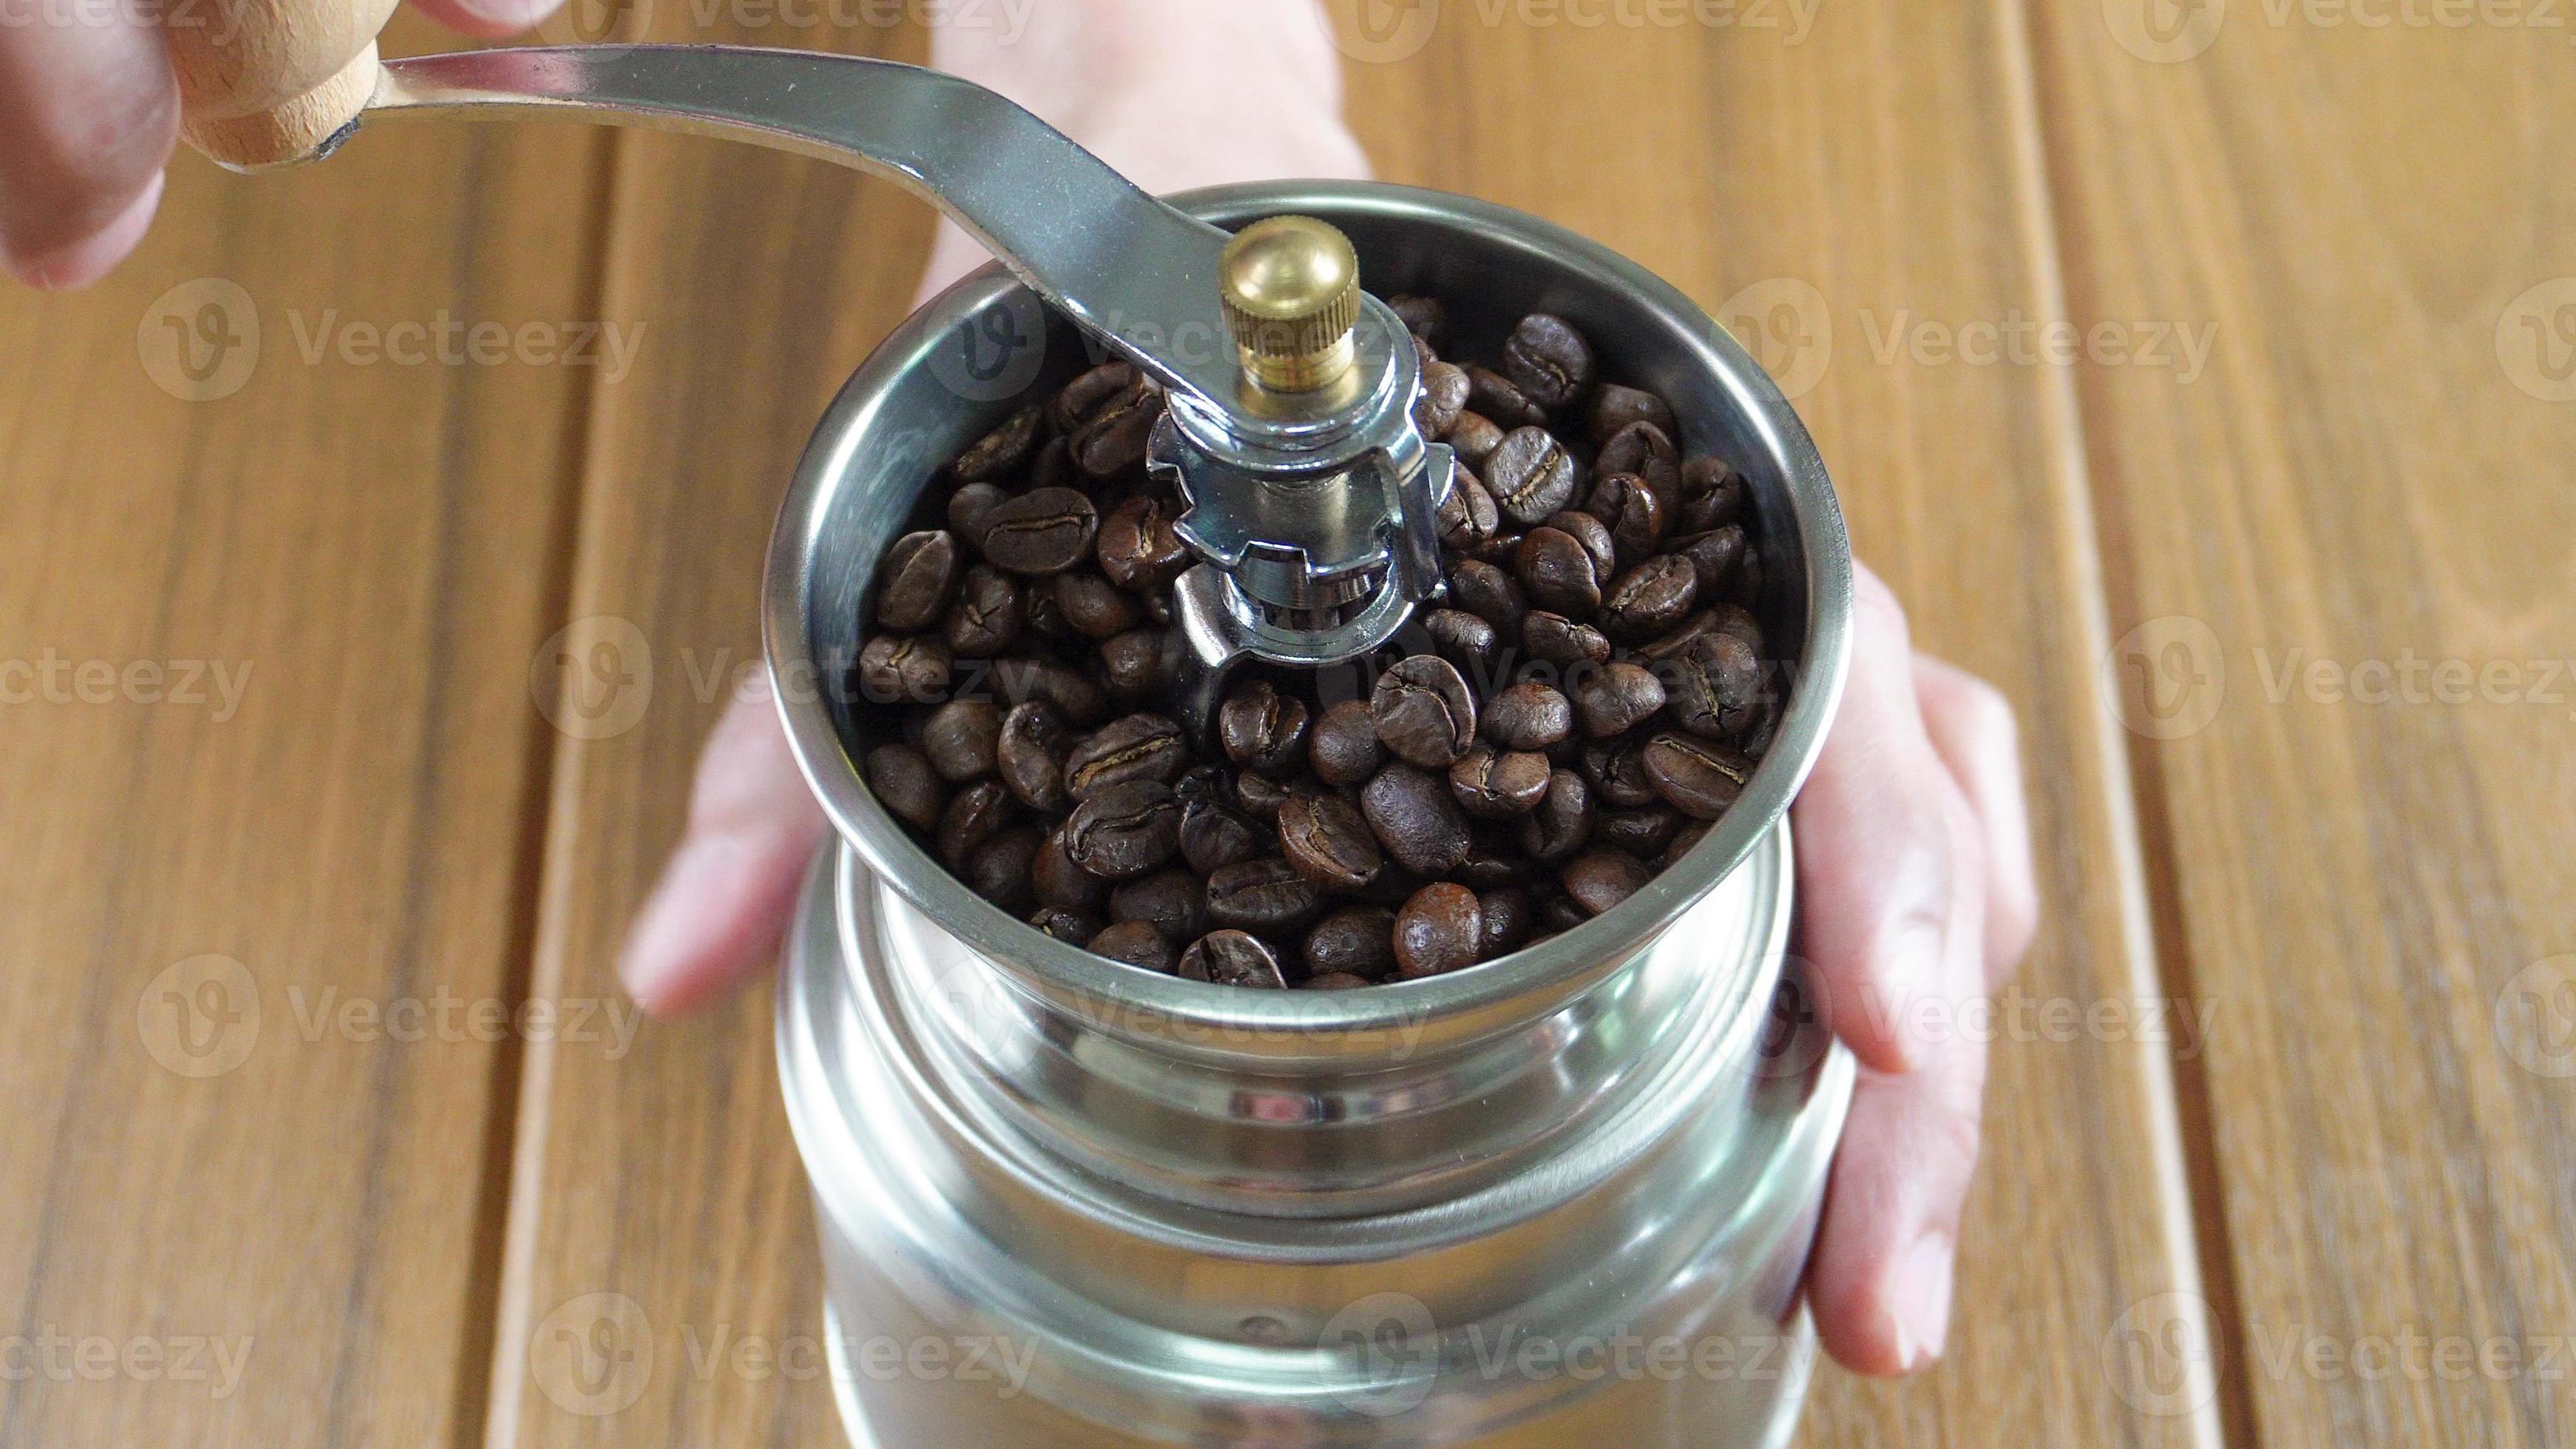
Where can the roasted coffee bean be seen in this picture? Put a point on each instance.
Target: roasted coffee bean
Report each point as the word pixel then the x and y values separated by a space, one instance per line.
pixel 1548 361
pixel 1044 531
pixel 1214 834
pixel 907 785
pixel 1094 607
pixel 1638 832
pixel 1265 894
pixel 1484 590
pixel 1137 664
pixel 1072 927
pixel 1001 453
pixel 1528 716
pixel 1139 747
pixel 1593 534
pixel 1053 466
pixel 1232 958
pixel 1343 748
pixel 1737 620
pixel 1444 397
pixel 1615 407
pixel 1333 981
pixel 1558 914
pixel 973 814
pixel 1493 860
pixel 1636 515
pixel 1424 317
pixel 1424 711
pixel 1259 796
pixel 1616 698
pixel 1562 823
pixel 968 505
pixel 1172 901
pixel 1716 558
pixel 1106 415
pixel 1507 916
pixel 1716 685
pixel 1601 877
pixel 1492 395
pixel 1463 639
pixel 1467 517
pixel 1029 755
pixel 914 581
pixel 1442 928
pixel 1648 452
pixel 1135 943
pixel 987 617
pixel 999 868
pixel 960 737
pixel 1045 616
pixel 1327 839
pixel 1474 437
pixel 901 669
pixel 1616 771
pixel 1416 818
pixel 1694 776
pixel 1261 728
pixel 1688 836
pixel 1059 882
pixel 1125 830
pixel 1074 695
pixel 1650 598
pixel 1670 644
pixel 1557 572
pixel 1355 941
pixel 1530 475
pixel 1137 547
pixel 1498 785
pixel 1713 494
pixel 1555 639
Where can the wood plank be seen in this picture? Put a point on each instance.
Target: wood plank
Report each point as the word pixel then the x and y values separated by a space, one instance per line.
pixel 208 870
pixel 668 1179
pixel 2373 468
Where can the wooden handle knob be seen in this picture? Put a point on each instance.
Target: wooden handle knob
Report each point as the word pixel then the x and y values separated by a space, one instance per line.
pixel 265 82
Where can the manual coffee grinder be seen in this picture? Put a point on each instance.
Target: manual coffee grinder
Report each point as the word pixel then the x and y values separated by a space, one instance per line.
pixel 1564 1196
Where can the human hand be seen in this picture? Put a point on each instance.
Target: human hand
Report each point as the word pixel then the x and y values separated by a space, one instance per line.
pixel 89 109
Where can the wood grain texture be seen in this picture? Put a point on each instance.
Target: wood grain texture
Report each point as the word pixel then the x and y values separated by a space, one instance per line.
pixel 2365 861
pixel 666 1180
pixel 1823 193
pixel 203 1148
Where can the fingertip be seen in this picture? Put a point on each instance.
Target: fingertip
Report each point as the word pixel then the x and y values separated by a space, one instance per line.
pixel 714 918
pixel 83 261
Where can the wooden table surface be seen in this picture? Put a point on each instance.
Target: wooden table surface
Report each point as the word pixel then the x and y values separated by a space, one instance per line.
pixel 2203 374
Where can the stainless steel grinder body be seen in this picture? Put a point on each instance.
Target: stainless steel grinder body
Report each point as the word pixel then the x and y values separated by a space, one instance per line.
pixel 1564 1194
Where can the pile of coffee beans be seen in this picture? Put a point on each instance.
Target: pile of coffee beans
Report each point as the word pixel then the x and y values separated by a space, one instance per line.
pixel 1591 693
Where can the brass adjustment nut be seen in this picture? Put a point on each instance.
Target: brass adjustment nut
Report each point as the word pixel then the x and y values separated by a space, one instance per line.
pixel 1291 290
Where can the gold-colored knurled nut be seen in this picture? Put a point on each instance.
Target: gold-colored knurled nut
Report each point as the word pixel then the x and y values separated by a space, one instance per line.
pixel 1291 290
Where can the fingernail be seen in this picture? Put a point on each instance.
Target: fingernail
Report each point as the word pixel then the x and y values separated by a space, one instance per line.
pixel 1923 1301
pixel 508 15
pixel 654 965
pixel 85 261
